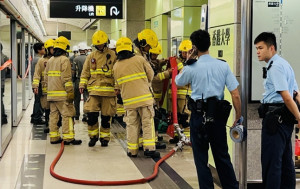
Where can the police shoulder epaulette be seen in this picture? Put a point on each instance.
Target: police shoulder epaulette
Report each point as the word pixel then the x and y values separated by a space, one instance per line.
pixel 190 61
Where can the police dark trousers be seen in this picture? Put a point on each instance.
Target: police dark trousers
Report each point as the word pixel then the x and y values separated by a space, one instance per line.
pixel 215 135
pixel 276 154
pixel 77 97
pixel 37 107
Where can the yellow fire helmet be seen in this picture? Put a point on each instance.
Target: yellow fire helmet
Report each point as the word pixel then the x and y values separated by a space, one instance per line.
pixel 99 38
pixel 148 36
pixel 49 43
pixel 156 50
pixel 185 45
pixel 123 44
pixel 62 43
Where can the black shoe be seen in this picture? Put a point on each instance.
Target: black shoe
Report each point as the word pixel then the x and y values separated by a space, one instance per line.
pixel 159 145
pixel 74 142
pixel 104 143
pixel 152 154
pixel 160 138
pixel 57 142
pixel 174 140
pixel 130 155
pixel 93 142
pixel 84 119
pixel 46 130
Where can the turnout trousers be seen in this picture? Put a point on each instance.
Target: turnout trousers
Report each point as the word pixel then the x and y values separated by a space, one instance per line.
pixel 136 119
pixel 107 106
pixel 67 111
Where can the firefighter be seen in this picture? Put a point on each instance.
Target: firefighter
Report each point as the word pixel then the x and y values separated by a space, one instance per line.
pixel 77 69
pixel 60 93
pixel 131 71
pixel 38 82
pixel 182 92
pixel 146 40
pixel 157 87
pixel 97 78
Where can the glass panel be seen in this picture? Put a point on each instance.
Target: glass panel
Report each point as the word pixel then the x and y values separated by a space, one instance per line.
pixel 5 82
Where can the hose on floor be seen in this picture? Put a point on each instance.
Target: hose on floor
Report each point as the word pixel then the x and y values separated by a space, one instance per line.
pixel 106 183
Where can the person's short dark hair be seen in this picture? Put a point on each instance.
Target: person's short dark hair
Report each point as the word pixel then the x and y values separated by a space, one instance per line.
pixel 37 47
pixel 201 40
pixel 268 38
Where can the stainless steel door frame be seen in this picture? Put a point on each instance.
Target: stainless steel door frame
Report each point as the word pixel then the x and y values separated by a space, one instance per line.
pixel 24 94
pixel 14 52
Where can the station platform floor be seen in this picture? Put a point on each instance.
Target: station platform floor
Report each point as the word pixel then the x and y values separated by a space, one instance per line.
pixel 26 161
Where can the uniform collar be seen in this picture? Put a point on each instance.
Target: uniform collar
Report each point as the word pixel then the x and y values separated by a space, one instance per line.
pixel 273 59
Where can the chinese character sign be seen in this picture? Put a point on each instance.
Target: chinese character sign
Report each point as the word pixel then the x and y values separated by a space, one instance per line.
pixel 221 37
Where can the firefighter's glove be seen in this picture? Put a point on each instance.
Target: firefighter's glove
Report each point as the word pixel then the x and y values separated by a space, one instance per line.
pixel 70 97
pixel 119 99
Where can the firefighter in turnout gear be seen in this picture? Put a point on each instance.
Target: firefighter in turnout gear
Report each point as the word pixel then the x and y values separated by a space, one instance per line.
pixel 131 71
pixel 77 69
pixel 182 92
pixel 145 41
pixel 157 87
pixel 97 78
pixel 38 82
pixel 60 94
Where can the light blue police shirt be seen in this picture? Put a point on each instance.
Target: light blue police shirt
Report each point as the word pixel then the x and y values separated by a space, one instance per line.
pixel 208 77
pixel 280 77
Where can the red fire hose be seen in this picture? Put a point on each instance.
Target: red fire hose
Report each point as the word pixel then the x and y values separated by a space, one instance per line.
pixel 155 171
pixel 105 183
pixel 171 128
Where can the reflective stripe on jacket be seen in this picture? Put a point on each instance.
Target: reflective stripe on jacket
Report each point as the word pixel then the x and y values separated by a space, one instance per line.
pixel 39 74
pixel 133 76
pixel 97 76
pixel 58 78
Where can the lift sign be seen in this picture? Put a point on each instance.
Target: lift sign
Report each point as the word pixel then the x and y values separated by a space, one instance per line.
pixel 112 9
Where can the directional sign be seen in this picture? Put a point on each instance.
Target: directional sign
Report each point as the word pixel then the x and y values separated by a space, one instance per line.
pixel 112 9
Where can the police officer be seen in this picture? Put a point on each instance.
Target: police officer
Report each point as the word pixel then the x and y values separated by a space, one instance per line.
pixel 60 93
pixel 208 78
pixel 97 78
pixel 38 82
pixel 77 69
pixel 3 59
pixel 277 127
pixel 131 71
pixel 36 117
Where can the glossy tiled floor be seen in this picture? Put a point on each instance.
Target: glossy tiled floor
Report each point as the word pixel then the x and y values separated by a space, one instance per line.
pixel 83 162
pixel 27 159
